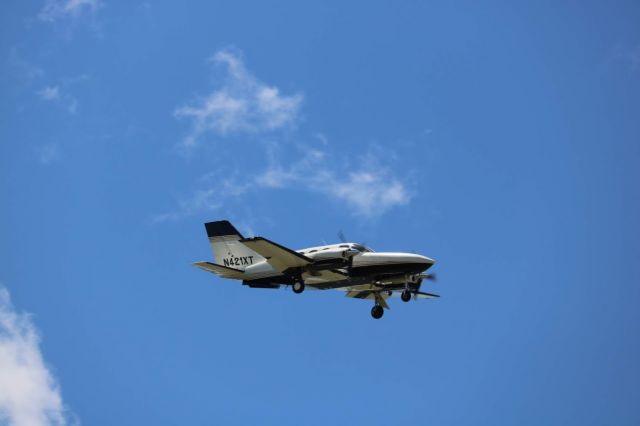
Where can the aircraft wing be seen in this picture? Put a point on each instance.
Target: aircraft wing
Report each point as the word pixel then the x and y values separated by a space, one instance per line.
pixel 325 279
pixel 223 271
pixel 382 296
pixel 280 257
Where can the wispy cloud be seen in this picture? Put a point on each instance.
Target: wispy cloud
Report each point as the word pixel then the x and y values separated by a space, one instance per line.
pixel 29 394
pixel 367 186
pixel 368 190
pixel 242 104
pixel 50 93
pixel 48 153
pixel 54 10
pixel 21 68
pixel 55 94
pixel 213 191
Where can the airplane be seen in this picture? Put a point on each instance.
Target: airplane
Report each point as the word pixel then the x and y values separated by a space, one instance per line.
pixel 349 267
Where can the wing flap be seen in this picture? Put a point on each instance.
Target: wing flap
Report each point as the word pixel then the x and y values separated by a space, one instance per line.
pixel 379 296
pixel 280 257
pixel 222 271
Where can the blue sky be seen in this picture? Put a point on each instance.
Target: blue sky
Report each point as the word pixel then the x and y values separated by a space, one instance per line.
pixel 500 138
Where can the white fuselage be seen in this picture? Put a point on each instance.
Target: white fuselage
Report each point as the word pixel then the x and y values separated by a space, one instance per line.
pixel 363 260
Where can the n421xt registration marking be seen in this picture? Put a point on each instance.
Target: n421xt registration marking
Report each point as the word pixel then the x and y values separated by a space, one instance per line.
pixel 238 261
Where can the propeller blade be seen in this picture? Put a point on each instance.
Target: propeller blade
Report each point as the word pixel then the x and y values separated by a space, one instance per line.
pixel 415 291
pixel 341 237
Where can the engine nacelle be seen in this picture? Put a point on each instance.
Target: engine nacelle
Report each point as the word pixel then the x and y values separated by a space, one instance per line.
pixel 329 254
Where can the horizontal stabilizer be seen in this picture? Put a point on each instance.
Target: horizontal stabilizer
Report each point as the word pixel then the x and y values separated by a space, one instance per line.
pixel 223 271
pixel 280 257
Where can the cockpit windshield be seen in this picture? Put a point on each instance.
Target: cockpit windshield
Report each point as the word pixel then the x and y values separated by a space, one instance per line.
pixel 362 249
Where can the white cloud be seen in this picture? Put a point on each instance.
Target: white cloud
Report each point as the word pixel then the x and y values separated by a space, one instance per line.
pixel 242 104
pixel 368 190
pixel 54 10
pixel 50 93
pixel 29 394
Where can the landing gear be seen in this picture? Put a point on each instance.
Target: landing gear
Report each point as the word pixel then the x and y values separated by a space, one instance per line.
pixel 377 311
pixel 405 296
pixel 298 287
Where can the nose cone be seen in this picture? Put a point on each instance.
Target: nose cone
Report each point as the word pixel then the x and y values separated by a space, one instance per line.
pixel 426 261
pixel 418 258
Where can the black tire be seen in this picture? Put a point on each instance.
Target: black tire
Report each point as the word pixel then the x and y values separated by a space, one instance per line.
pixel 377 312
pixel 405 296
pixel 298 287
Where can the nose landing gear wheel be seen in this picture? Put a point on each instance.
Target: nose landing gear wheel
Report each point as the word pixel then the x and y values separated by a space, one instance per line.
pixel 377 312
pixel 405 296
pixel 298 287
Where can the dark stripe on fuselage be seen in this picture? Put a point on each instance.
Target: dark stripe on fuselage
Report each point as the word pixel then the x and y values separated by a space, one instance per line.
pixel 357 275
pixel 389 269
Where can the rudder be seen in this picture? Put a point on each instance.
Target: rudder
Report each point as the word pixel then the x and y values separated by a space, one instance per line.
pixel 227 248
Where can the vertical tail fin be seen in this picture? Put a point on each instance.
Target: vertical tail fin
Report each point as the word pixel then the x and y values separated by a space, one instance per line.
pixel 227 248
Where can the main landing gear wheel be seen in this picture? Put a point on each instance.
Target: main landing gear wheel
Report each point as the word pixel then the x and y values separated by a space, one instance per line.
pixel 405 296
pixel 298 287
pixel 377 312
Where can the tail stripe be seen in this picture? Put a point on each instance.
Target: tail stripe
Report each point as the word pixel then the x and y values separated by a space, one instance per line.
pixel 221 228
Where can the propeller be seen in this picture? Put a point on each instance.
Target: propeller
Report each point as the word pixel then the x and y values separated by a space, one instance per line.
pixel 343 239
pixel 347 253
pixel 430 277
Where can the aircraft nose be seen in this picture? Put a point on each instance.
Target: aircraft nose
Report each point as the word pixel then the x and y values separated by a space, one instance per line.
pixel 417 258
pixel 427 262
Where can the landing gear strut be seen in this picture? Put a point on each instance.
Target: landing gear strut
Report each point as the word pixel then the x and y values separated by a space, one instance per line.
pixel 298 287
pixel 377 311
pixel 405 296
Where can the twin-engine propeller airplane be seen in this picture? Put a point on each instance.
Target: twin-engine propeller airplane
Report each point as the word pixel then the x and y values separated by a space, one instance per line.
pixel 350 267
